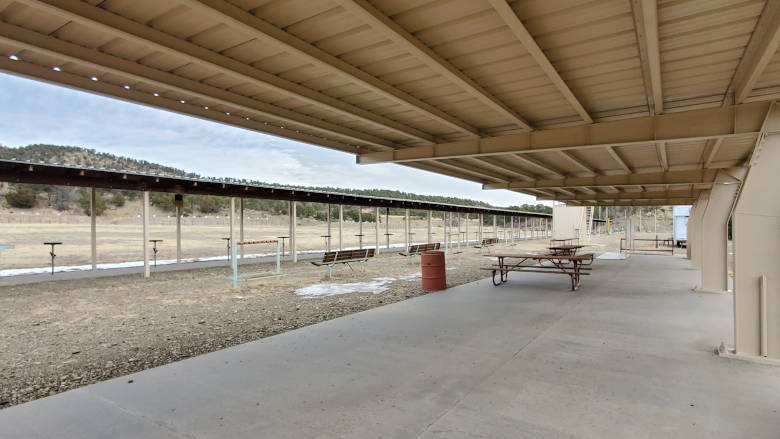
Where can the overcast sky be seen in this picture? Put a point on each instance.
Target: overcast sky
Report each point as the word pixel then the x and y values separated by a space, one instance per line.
pixel 34 112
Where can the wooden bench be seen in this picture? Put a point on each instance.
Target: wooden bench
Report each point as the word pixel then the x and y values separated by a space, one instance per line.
pixel 487 242
pixel 345 257
pixel 416 249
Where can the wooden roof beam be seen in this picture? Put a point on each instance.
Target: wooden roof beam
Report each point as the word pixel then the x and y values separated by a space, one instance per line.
pixel 106 63
pixel 367 13
pixel 715 146
pixel 646 23
pixel 762 47
pixel 699 177
pixel 618 159
pixel 515 25
pixel 256 27
pixel 663 159
pixel 576 162
pixel 733 121
pixel 103 20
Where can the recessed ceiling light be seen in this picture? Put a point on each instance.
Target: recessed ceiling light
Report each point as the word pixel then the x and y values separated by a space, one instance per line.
pixel 183 101
pixel 56 69
pixel 155 94
pixel 94 78
pixel 127 87
pixel 14 58
pixel 228 113
pixel 205 108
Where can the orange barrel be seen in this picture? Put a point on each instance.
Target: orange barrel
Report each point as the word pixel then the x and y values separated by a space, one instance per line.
pixel 434 276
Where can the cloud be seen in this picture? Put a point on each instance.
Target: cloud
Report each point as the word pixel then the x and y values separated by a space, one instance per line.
pixel 33 112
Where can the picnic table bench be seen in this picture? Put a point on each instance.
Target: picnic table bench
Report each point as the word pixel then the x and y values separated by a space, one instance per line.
pixel 416 249
pixel 486 242
pixel 345 257
pixel 571 265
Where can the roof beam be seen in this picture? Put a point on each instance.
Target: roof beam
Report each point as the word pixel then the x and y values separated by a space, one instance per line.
pixel 646 22
pixel 533 162
pixel 508 15
pixel 664 202
pixel 716 143
pixel 481 176
pixel 487 162
pixel 256 27
pixel 737 120
pixel 367 13
pixel 103 20
pixel 618 159
pixel 46 74
pixel 644 195
pixel 762 47
pixel 576 162
pixel 662 155
pixel 105 63
pixel 701 177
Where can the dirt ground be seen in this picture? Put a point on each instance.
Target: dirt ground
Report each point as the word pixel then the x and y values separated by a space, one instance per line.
pixel 66 334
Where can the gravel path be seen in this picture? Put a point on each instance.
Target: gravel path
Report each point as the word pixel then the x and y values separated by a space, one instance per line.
pixel 61 335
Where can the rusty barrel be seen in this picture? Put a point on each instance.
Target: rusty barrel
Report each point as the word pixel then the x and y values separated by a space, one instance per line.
pixel 434 276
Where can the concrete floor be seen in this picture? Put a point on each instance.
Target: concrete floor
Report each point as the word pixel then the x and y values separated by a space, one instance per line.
pixel 629 355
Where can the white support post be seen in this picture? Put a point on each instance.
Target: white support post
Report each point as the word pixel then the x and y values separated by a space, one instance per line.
pixel 376 229
pixel 234 245
pixel 479 230
pixel 327 247
pixel 360 226
pixel 387 226
pixel 430 236
pixel 93 225
pixel 406 229
pixel 145 213
pixel 468 219
pixel 459 234
pixel 495 227
pixel 293 227
pixel 241 225
pixel 341 226
pixel 178 233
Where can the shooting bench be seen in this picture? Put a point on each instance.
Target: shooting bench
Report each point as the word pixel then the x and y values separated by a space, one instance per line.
pixel 345 257
pixel 573 266
pixel 416 249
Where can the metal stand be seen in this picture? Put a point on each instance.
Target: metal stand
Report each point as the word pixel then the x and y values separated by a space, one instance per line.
pixel 282 238
pixel 227 240
pixel 52 244
pixel 155 249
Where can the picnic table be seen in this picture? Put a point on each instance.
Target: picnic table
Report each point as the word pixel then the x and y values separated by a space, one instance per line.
pixel 566 249
pixel 571 265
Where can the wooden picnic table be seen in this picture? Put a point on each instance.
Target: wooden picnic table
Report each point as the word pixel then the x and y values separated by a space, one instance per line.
pixel 558 264
pixel 568 249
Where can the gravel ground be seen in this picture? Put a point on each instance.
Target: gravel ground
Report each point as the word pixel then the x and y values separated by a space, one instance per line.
pixel 62 335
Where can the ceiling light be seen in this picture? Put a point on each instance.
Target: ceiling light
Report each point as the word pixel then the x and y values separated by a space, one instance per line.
pixel 13 58
pixel 228 113
pixel 94 78
pixel 183 101
pixel 56 69
pixel 155 94
pixel 205 108
pixel 127 87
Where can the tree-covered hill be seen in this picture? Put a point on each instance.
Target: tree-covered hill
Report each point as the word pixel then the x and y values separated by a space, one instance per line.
pixel 77 156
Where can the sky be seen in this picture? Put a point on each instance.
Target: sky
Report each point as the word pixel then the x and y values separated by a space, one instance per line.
pixel 34 112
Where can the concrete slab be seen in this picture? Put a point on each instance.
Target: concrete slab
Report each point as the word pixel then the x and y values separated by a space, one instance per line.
pixel 628 355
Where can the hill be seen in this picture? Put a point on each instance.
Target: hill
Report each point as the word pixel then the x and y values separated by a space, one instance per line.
pixel 77 156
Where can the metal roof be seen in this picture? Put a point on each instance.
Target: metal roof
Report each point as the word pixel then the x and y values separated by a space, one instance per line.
pixel 57 174
pixel 384 79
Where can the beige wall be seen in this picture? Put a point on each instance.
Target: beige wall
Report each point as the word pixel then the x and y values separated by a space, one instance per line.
pixel 756 233
pixel 567 221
